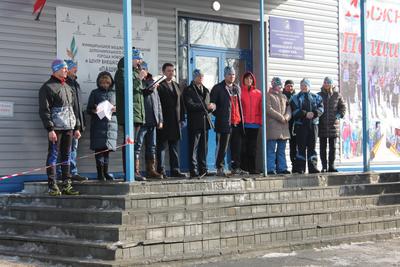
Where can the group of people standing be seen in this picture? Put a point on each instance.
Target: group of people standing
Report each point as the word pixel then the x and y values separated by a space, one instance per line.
pixel 159 114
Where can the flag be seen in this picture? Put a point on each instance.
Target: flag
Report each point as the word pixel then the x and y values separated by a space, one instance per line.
pixel 38 7
pixel 73 50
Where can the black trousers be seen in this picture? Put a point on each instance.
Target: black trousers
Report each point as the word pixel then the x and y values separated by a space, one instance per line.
pixel 103 157
pixel 222 140
pixel 249 150
pixel 293 149
pixel 306 136
pixel 63 148
pixel 323 142
pixel 173 147
pixel 236 145
pixel 198 146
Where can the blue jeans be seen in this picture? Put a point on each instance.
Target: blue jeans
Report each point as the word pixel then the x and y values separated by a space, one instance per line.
pixel 276 154
pixel 146 134
pixel 72 162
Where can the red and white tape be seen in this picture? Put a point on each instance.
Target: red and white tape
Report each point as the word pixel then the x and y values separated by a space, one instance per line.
pixel 128 141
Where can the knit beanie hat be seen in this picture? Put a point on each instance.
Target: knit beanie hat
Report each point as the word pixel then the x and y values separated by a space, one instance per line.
pixel 306 82
pixel 197 72
pixel 276 82
pixel 144 65
pixel 289 82
pixel 58 64
pixel 71 64
pixel 136 54
pixel 328 80
pixel 229 70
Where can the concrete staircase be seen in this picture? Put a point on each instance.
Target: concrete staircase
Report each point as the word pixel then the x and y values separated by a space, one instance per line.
pixel 174 221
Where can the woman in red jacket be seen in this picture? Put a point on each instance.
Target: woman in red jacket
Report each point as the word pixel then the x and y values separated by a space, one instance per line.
pixel 252 119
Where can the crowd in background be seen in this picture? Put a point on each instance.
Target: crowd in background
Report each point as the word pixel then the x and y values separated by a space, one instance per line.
pixel 160 110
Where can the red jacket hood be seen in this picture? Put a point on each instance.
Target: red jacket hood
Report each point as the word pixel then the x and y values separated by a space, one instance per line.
pixel 254 86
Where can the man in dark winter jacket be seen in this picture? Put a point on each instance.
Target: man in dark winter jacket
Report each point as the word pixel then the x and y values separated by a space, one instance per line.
pixel 197 98
pixel 226 103
pixel 58 113
pixel 174 115
pixel 73 83
pixel 329 127
pixel 306 110
pixel 153 121
pixel 138 101
pixel 289 91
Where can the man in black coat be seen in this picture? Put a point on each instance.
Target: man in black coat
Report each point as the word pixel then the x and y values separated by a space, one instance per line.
pixel 173 115
pixel 226 103
pixel 197 99
pixel 329 126
pixel 76 89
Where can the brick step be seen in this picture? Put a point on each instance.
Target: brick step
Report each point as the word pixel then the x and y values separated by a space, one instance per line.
pixel 209 211
pixel 88 232
pixel 218 184
pixel 174 252
pixel 169 200
pixel 61 246
pixel 53 214
pixel 180 228
pixel 159 217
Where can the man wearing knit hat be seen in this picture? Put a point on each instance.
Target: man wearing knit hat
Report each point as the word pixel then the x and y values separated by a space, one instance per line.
pixel 226 103
pixel 329 126
pixel 138 101
pixel 289 91
pixel 197 98
pixel 58 113
pixel 306 107
pixel 76 89
pixel 153 120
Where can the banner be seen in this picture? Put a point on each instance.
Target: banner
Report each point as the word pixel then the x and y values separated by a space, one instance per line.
pixel 286 38
pixel 383 24
pixel 94 39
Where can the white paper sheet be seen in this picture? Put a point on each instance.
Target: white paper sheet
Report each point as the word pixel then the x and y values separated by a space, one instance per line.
pixel 104 109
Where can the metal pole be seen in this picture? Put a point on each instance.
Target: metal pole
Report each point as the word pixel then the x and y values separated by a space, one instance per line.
pixel 128 92
pixel 364 82
pixel 263 87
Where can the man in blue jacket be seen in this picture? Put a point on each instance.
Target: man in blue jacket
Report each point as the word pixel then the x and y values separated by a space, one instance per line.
pixel 306 107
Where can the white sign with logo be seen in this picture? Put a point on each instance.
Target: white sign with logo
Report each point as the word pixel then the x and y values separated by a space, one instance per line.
pixel 94 39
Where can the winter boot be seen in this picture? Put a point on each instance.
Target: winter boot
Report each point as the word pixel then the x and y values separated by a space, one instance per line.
pixel 151 169
pixel 138 176
pixel 54 190
pixel 106 174
pixel 100 172
pixel 67 188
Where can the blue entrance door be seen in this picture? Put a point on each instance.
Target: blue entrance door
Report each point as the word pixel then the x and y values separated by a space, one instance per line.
pixel 212 62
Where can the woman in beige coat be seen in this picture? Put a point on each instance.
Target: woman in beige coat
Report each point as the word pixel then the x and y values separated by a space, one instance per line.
pixel 278 115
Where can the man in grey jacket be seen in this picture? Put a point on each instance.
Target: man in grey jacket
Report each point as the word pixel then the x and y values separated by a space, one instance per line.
pixel 76 89
pixel 58 113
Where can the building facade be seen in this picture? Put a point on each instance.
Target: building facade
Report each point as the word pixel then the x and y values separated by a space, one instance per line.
pixel 188 36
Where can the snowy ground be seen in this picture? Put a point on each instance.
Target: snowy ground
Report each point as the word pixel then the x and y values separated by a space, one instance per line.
pixel 363 254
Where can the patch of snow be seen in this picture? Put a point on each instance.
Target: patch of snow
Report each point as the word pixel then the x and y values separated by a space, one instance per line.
pixel 344 246
pixel 278 255
pixel 53 232
pixel 338 261
pixel 28 247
